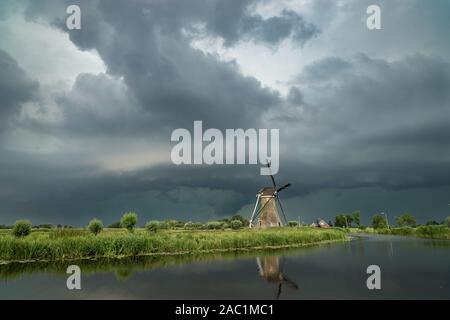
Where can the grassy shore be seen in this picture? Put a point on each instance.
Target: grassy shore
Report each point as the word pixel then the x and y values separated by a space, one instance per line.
pixel 126 266
pixel 439 232
pixel 52 245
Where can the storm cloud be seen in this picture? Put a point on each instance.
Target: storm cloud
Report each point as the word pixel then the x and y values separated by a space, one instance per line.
pixel 15 87
pixel 358 113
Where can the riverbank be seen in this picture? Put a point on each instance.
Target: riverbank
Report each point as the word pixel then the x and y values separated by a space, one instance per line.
pixel 439 232
pixel 50 246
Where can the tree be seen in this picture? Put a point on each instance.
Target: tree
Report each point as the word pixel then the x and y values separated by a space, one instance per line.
pixel 95 226
pixel 129 221
pixel 44 226
pixel 115 225
pixel 432 223
pixel 236 224
pixel 356 216
pixel 21 228
pixel 244 221
pixel 340 221
pixel 293 224
pixel 447 221
pixel 214 225
pixel 152 226
pixel 405 220
pixel 172 224
pixel 378 222
pixel 349 219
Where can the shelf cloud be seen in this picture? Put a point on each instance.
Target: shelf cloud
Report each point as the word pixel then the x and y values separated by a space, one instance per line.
pixel 361 113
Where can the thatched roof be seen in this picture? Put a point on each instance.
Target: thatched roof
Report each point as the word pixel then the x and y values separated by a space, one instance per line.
pixel 266 191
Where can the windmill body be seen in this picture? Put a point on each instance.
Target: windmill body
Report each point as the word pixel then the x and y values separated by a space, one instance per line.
pixel 268 217
pixel 265 213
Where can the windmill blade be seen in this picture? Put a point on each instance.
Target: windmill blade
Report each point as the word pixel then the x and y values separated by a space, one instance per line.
pixel 260 209
pixel 291 283
pixel 284 187
pixel 282 210
pixel 273 181
pixel 271 176
pixel 285 279
pixel 281 264
pixel 279 290
pixel 254 210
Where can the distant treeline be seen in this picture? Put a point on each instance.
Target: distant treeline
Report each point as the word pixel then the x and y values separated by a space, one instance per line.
pixel 380 221
pixel 163 224
pixel 234 222
pixel 41 226
pixel 129 221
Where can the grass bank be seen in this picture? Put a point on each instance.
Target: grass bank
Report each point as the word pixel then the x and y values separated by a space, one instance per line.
pixel 126 266
pixel 48 246
pixel 439 232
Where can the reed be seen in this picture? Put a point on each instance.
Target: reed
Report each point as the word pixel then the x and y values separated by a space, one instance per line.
pixel 436 232
pixel 44 247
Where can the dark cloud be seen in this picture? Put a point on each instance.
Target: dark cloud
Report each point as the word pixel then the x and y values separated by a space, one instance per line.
pixel 160 68
pixel 325 69
pixel 348 123
pixel 15 87
pixel 233 24
pixel 383 124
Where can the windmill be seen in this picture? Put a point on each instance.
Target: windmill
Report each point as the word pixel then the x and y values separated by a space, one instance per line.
pixel 265 213
pixel 271 269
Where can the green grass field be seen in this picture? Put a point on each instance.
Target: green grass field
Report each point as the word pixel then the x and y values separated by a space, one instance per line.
pixel 439 232
pixel 68 244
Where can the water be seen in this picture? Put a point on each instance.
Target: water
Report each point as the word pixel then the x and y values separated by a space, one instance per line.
pixel 410 269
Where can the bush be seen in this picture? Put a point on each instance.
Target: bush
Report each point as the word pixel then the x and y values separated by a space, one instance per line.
pixel 403 231
pixel 362 227
pixel 198 226
pixel 152 226
pixel 447 222
pixel 383 230
pixel 214 225
pixel 163 225
pixel 95 226
pixel 44 226
pixel 115 225
pixel 189 225
pixel 292 224
pixel 245 222
pixel 21 228
pixel 433 232
pixel 236 224
pixel 129 221
pixel 173 224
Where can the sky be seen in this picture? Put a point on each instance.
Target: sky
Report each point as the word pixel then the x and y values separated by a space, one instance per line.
pixel 86 115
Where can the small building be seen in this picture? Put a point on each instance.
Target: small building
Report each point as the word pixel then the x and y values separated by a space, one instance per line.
pixel 320 223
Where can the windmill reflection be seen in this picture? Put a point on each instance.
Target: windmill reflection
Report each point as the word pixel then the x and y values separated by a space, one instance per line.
pixel 271 269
